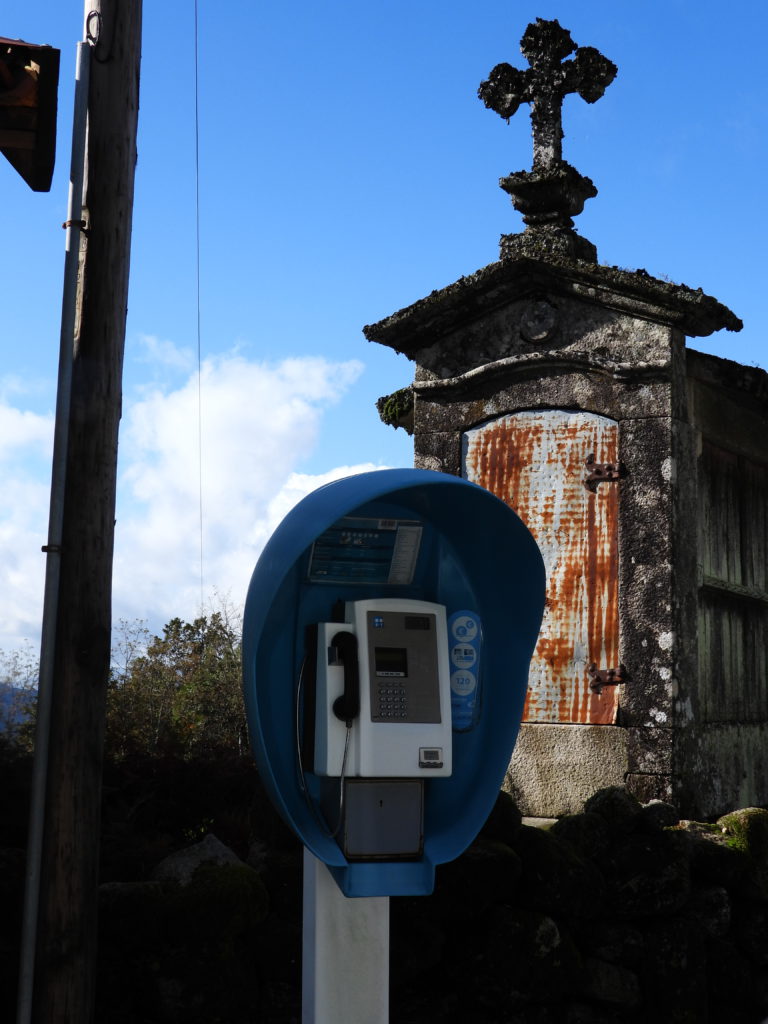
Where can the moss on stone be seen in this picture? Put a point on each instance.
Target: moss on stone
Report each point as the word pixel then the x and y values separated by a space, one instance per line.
pixel 396 410
pixel 746 830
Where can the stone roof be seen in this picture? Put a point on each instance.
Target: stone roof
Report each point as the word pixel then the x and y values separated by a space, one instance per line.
pixel 630 291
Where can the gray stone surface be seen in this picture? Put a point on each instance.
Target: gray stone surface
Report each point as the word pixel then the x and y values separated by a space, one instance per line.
pixel 657 814
pixel 616 806
pixel 479 296
pixel 555 768
pixel 610 983
pixel 181 866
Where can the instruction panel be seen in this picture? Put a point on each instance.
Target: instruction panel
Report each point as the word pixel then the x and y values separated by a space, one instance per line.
pixel 376 551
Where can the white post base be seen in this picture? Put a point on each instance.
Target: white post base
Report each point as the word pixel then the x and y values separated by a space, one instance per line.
pixel 345 944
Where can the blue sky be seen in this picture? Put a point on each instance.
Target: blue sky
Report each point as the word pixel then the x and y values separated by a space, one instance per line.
pixel 347 168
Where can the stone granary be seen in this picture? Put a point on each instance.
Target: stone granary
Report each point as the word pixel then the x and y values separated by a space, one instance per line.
pixel 640 466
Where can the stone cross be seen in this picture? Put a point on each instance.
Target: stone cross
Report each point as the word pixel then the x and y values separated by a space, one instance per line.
pixel 545 84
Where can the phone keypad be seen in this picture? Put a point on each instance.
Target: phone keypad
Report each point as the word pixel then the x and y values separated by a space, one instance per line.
pixel 392 703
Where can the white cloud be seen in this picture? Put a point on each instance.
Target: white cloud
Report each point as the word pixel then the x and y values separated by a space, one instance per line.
pixel 25 446
pixel 23 433
pixel 258 422
pixel 13 385
pixel 162 353
pixel 298 486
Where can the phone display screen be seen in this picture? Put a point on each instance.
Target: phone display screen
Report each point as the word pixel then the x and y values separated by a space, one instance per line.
pixel 391 661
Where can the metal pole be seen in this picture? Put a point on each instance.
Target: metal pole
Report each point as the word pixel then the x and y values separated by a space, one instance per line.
pixel 53 547
pixel 345 945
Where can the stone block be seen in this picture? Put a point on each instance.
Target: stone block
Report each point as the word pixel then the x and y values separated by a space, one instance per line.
pixel 710 911
pixel 555 768
pixel 618 808
pixel 181 866
pixel 487 872
pixel 588 834
pixel 649 750
pixel 440 451
pixel 657 814
pixel 647 787
pixel 529 956
pixel 555 879
pixel 648 875
pixel 673 973
pixel 610 983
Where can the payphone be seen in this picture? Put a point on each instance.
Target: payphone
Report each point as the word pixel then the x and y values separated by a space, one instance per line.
pixel 387 636
pixel 381 723
pixel 383 676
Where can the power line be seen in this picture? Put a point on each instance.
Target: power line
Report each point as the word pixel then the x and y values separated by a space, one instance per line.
pixel 197 284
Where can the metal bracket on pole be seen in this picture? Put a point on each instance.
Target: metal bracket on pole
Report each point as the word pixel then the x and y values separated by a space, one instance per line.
pixel 345 965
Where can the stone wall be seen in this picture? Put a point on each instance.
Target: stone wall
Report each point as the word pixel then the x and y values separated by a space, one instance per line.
pixel 620 913
pixel 617 914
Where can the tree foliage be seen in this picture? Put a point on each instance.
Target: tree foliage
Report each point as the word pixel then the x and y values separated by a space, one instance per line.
pixel 178 694
pixel 18 698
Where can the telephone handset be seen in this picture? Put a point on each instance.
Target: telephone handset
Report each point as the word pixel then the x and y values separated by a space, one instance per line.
pixel 383 699
pixel 347 706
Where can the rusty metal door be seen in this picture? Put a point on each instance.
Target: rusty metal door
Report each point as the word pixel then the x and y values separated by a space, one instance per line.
pixel 537 462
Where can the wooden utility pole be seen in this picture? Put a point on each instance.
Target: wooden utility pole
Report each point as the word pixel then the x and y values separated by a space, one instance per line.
pixel 64 978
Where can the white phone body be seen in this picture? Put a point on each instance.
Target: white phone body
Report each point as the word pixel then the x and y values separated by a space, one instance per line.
pixel 404 726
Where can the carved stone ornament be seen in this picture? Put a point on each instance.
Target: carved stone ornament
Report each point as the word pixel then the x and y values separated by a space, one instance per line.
pixel 553 192
pixel 539 322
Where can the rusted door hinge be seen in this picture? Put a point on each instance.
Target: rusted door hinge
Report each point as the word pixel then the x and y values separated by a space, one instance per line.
pixel 601 472
pixel 600 677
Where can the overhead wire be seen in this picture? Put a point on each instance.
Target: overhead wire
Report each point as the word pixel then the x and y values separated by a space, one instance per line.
pixel 197 289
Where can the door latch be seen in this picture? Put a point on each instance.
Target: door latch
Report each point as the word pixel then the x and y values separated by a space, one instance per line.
pixel 601 472
pixel 600 677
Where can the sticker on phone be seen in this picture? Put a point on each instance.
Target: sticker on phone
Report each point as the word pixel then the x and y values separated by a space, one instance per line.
pixel 464 648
